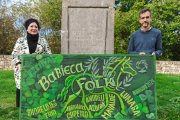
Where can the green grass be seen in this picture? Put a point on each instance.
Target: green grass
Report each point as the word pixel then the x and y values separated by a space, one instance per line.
pixel 8 111
pixel 168 96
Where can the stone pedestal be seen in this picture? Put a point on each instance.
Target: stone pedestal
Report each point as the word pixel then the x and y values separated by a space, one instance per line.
pixel 87 27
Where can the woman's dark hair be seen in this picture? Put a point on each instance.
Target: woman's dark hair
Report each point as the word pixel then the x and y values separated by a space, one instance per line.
pixel 29 21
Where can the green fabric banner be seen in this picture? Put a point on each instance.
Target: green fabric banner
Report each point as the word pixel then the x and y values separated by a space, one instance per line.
pixel 119 87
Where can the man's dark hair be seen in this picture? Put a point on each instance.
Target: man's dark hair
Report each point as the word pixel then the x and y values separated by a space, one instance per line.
pixel 144 10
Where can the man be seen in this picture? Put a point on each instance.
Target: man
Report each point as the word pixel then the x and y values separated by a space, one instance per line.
pixel 146 40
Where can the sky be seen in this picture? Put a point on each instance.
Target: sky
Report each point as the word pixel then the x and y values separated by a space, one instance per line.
pixel 20 20
pixel 10 2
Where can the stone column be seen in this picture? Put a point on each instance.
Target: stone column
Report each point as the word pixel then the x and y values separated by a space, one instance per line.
pixel 87 27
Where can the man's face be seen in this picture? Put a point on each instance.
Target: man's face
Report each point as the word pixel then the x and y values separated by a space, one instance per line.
pixel 145 19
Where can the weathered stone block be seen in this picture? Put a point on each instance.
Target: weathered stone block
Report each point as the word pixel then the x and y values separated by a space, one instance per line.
pixel 87 27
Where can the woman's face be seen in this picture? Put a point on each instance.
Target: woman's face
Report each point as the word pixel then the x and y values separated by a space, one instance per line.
pixel 32 28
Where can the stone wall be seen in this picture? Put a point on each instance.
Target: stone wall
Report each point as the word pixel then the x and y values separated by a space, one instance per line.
pixel 5 62
pixel 167 67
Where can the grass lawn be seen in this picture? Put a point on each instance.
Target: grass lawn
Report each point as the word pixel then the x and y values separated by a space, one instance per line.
pixel 8 111
pixel 168 96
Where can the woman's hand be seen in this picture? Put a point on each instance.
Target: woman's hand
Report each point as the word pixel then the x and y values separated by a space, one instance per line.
pixel 19 67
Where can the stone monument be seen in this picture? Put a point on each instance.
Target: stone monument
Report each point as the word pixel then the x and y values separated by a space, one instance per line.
pixel 87 27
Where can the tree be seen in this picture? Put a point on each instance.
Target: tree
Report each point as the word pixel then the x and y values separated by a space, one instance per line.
pixel 50 15
pixel 165 17
pixel 7 33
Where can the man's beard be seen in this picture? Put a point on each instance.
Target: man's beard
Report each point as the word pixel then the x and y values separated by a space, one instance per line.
pixel 145 23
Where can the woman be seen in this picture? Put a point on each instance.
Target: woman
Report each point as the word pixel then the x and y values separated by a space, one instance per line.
pixel 30 44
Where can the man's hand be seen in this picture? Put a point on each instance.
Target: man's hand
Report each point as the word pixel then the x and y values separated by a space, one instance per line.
pixel 142 53
pixel 153 53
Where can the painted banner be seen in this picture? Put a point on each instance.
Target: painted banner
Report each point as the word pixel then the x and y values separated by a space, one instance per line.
pixel 60 87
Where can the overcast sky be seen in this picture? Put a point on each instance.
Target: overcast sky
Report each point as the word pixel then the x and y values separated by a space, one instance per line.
pixel 10 2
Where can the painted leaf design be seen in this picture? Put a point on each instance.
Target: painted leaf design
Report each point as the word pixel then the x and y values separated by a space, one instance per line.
pixel 140 106
pixel 28 93
pixel 148 92
pixel 59 59
pixel 118 116
pixel 150 116
pixel 145 109
pixel 150 99
pixel 38 57
pixel 142 97
pixel 137 99
pixel 43 101
pixel 46 95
